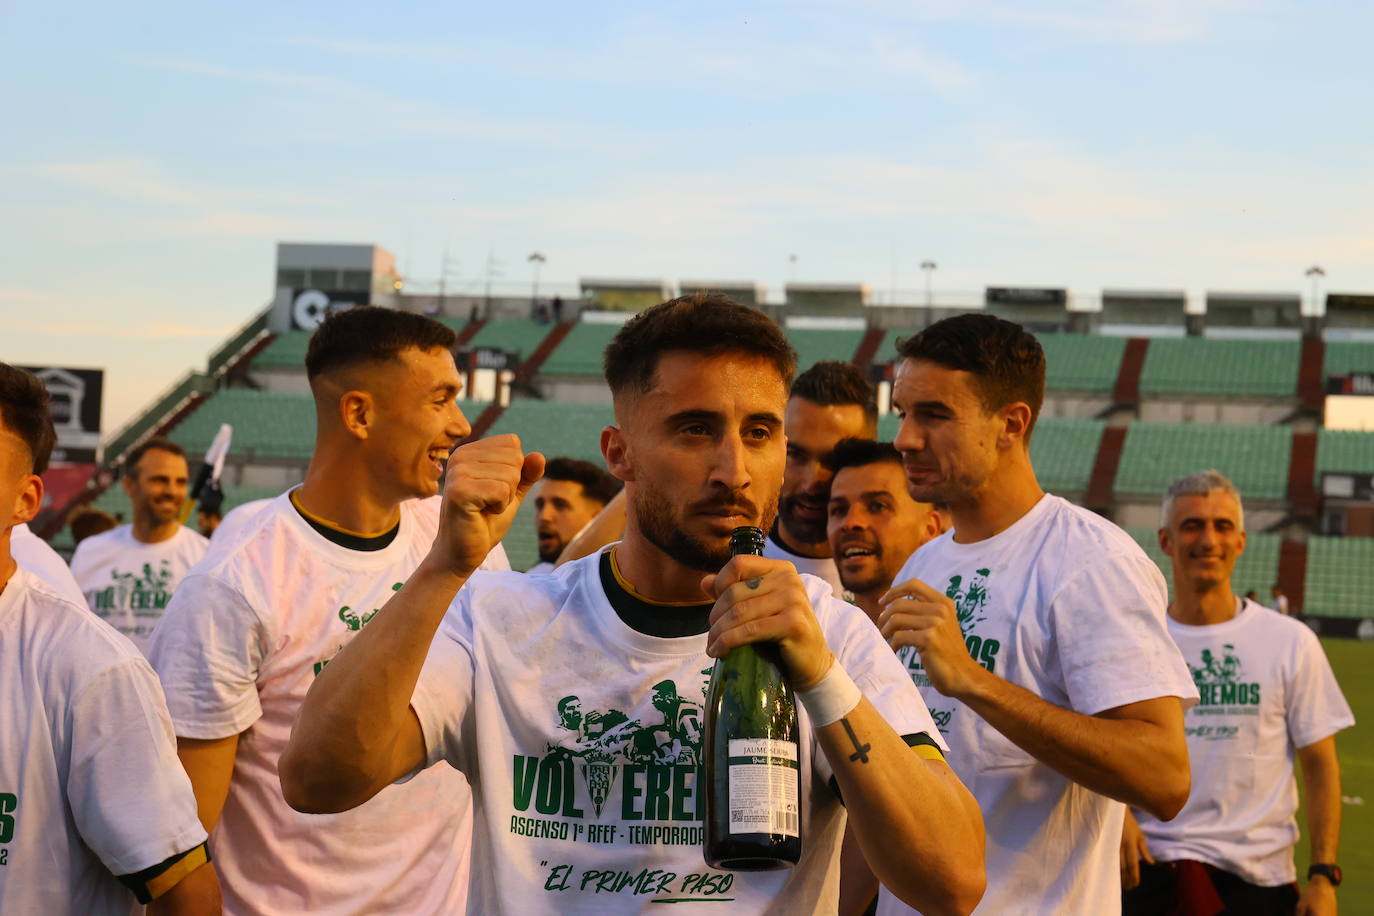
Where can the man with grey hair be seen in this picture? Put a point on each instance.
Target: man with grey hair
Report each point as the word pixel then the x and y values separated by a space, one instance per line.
pixel 1267 694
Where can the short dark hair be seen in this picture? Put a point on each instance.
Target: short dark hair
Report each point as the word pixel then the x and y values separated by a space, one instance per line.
pixel 24 407
pixel 89 522
pixel 371 334
pixel 856 453
pixel 831 383
pixel 1006 360
pixel 705 323
pixel 597 483
pixel 157 443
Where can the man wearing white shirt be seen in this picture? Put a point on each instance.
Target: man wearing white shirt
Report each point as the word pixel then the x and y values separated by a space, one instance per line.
pixel 1268 696
pixel 1034 630
pixel 828 402
pixel 130 573
pixel 569 497
pixel 96 815
pixel 255 624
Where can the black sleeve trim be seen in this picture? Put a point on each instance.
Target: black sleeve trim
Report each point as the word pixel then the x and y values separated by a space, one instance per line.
pixel 153 882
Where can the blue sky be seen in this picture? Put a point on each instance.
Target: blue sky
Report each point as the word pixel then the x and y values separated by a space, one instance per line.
pixel 155 153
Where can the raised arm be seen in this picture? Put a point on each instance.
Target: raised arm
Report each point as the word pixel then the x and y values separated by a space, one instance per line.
pixel 1134 753
pixel 919 828
pixel 356 733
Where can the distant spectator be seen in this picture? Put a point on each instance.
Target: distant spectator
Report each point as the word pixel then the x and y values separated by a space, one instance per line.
pixel 91 521
pixel 557 307
pixel 1252 595
pixel 1281 601
pixel 570 495
pixel 129 573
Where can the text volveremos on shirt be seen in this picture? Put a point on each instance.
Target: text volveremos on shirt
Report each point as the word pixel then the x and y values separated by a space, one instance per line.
pixel 582 738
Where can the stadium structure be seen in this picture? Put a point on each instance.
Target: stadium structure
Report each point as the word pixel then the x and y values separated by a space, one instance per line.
pixel 1143 386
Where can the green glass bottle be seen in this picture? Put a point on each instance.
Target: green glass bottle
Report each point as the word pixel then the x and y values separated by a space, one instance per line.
pixel 753 811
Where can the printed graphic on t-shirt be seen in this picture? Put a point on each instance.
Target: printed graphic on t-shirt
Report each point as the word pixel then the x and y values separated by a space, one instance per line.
pixel 9 803
pixel 602 763
pixel 145 593
pixel 970 608
pixel 353 622
pixel 1224 692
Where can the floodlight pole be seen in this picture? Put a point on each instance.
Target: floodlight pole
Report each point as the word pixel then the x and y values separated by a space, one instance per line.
pixel 928 268
pixel 536 259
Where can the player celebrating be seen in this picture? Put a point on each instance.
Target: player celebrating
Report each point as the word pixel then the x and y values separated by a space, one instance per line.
pixel 1038 630
pixel 129 573
pixel 1268 694
pixel 95 811
pixel 700 385
pixel 828 402
pixel 570 495
pixel 271 606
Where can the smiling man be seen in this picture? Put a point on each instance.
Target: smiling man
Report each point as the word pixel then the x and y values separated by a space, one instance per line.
pixel 828 402
pixel 602 813
pixel 1034 629
pixel 875 525
pixel 248 632
pixel 1268 698
pixel 128 574
pixel 570 495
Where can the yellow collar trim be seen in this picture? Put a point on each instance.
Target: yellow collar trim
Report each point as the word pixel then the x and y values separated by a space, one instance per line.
pixel 327 523
pixel 625 584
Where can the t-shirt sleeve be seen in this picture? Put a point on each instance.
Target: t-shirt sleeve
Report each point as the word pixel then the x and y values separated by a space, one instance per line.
pixel 873 666
pixel 129 796
pixel 1315 706
pixel 496 560
pixel 444 693
pixel 1108 633
pixel 207 650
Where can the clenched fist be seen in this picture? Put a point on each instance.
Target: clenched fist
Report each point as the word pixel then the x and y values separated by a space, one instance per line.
pixel 486 481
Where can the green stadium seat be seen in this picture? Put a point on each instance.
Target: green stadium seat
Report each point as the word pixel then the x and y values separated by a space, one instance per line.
pixel 580 352
pixel 1255 458
pixel 286 351
pixel 1345 450
pixel 1257 568
pixel 1346 356
pixel 1340 577
pixel 573 430
pixel 1062 451
pixel 516 334
pixel 1223 368
pixel 813 345
pixel 1081 362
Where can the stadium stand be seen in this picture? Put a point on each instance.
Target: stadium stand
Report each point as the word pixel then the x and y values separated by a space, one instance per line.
pixel 1345 356
pixel 1255 458
pixel 580 352
pixel 813 345
pixel 556 429
pixel 1340 577
pixel 1062 451
pixel 1226 368
pixel 511 334
pixel 286 351
pixel 1081 362
pixel 1257 568
pixel 1344 450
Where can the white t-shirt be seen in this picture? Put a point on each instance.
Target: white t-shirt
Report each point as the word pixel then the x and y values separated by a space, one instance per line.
pixel 1266 689
pixel 128 583
pixel 821 567
pixel 37 556
pixel 236 519
pixel 1064 604
pixel 241 643
pixel 540 569
pixel 599 812
pixel 90 785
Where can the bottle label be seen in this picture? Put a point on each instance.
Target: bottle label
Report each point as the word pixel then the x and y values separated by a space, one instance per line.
pixel 763 786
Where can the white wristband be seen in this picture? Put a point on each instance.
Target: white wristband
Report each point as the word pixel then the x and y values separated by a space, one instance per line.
pixel 833 697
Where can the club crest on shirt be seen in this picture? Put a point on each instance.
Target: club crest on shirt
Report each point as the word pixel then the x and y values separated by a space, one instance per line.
pixel 648 759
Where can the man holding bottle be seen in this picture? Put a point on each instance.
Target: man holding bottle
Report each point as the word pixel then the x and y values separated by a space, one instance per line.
pixel 612 820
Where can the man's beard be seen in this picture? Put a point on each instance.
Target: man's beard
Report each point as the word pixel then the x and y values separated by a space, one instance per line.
pixel 657 523
pixel 802 529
